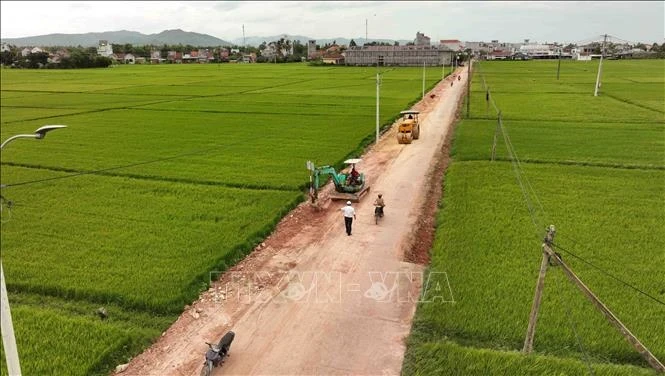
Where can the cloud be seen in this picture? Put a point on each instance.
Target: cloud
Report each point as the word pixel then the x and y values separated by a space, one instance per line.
pixel 503 20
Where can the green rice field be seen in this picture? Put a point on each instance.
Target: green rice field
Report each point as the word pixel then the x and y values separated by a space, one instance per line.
pixel 592 166
pixel 163 175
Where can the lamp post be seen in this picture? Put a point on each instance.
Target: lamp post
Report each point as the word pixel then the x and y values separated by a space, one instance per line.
pixel 8 338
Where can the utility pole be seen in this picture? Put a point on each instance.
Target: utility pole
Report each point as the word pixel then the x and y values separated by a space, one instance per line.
pixel 554 259
pixel 468 89
pixel 558 67
pixel 443 67
pixel 496 134
pixel 423 79
pixel 600 66
pixel 533 317
pixel 8 336
pixel 243 36
pixel 366 41
pixel 378 85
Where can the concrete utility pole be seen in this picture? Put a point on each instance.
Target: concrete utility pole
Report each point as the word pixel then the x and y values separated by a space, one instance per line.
pixel 243 36
pixel 423 80
pixel 550 255
pixel 378 85
pixel 533 317
pixel 8 337
pixel 600 66
pixel 468 89
pixel 558 66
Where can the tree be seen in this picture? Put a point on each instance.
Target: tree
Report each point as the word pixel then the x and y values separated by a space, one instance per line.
pixel 352 43
pixel 299 49
pixel 7 58
pixel 37 60
pixel 396 43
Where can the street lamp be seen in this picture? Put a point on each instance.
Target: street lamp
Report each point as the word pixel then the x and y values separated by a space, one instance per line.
pixel 39 134
pixel 8 338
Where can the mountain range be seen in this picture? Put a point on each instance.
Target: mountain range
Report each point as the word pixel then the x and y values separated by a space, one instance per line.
pixel 119 37
pixel 171 37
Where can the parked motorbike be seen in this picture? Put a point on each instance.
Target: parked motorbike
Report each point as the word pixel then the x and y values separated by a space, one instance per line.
pixel 216 354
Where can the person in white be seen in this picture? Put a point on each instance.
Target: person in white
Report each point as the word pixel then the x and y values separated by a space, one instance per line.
pixel 349 215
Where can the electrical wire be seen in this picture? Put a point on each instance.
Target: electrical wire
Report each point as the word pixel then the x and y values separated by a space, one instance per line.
pixel 610 275
pixel 197 152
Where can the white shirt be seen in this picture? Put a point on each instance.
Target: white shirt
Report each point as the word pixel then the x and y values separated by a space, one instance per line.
pixel 349 211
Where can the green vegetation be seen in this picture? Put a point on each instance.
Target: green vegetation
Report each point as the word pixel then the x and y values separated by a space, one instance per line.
pixel 164 175
pixel 597 167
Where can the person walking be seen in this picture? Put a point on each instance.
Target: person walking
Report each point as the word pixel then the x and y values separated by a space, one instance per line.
pixel 349 215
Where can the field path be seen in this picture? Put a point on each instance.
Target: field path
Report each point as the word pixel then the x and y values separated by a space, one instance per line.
pixel 312 300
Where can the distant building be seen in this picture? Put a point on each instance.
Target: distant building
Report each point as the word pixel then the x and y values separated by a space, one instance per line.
pixel 174 57
pixel 333 57
pixel 156 57
pixel 479 48
pixel 411 55
pixel 422 39
pixel 452 44
pixel 270 51
pixel 499 55
pixel 311 49
pixel 224 54
pixel 398 55
pixel 542 51
pixel 248 58
pixel 104 49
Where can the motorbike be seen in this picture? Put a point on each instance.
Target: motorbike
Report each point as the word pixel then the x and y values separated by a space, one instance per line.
pixel 378 213
pixel 216 354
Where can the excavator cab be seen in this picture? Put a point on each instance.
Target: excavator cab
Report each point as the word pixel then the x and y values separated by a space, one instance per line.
pixel 349 186
pixel 409 127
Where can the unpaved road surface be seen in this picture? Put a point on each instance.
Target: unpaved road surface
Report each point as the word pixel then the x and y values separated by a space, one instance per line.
pixel 311 300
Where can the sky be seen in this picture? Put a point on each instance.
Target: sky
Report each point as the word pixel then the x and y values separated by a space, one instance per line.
pixel 507 21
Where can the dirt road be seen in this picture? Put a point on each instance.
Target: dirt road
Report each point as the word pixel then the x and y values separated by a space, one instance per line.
pixel 312 300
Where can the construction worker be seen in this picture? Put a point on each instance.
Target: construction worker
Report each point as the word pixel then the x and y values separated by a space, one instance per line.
pixel 349 215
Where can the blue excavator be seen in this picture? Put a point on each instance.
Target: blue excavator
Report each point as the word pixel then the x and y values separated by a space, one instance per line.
pixel 348 186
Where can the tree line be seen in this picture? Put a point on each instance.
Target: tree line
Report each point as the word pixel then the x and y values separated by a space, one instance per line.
pixel 67 58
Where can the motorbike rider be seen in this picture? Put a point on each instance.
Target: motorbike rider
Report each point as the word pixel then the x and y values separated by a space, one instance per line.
pixel 379 204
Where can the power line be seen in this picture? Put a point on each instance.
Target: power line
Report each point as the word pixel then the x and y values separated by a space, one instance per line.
pixel 203 151
pixel 610 275
pixel 605 257
pixel 525 185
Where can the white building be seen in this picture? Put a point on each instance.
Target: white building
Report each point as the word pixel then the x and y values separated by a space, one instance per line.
pixel 452 44
pixel 129 59
pixel 5 47
pixel 105 49
pixel 536 50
